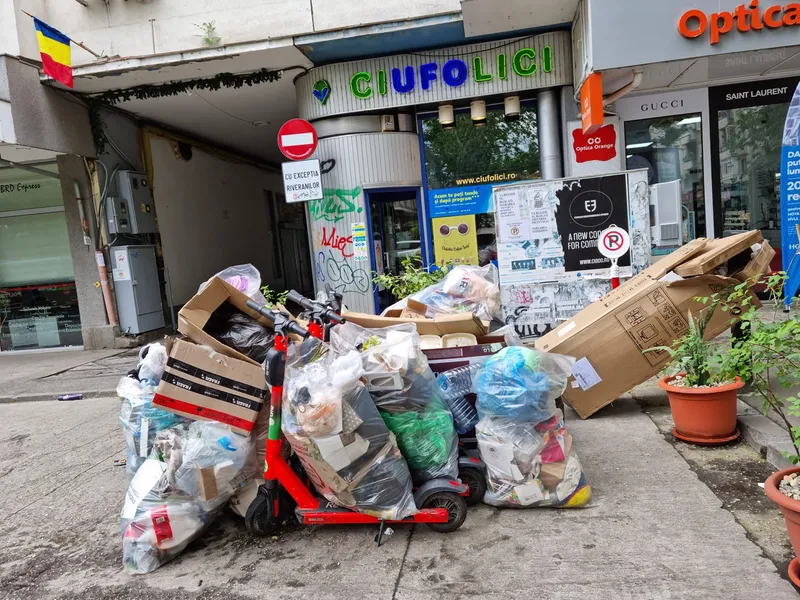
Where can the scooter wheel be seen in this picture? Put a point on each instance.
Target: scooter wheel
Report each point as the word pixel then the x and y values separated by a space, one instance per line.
pixel 261 519
pixel 476 482
pixel 456 510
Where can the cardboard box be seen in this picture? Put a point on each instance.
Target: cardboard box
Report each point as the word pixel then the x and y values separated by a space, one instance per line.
pixel 208 386
pixel 439 325
pixel 608 337
pixel 758 265
pixel 194 315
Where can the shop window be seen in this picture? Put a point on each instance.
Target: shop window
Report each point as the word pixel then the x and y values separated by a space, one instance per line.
pixel 671 148
pixel 466 155
pixel 750 179
pixel 38 301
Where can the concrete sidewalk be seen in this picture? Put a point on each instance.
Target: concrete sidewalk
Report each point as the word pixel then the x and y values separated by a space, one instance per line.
pixel 45 375
pixel 653 531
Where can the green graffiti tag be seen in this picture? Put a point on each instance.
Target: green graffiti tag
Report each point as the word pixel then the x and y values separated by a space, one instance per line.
pixel 335 204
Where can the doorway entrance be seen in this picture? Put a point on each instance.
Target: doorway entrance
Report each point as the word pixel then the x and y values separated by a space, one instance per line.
pixel 291 261
pixel 397 234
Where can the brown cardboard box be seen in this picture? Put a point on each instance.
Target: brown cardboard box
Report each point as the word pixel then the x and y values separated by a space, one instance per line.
pixel 439 325
pixel 194 315
pixel 758 265
pixel 608 337
pixel 205 385
pixel 413 310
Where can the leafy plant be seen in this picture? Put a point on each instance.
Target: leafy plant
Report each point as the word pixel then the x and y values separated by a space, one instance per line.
pixel 704 362
pixel 274 297
pixel 209 35
pixel 412 279
pixel 768 355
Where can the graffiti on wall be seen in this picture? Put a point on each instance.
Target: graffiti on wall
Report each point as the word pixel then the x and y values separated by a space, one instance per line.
pixel 340 243
pixel 335 204
pixel 340 274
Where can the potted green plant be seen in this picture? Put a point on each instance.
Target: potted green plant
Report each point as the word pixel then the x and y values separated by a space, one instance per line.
pixel 701 385
pixel 768 358
pixel 413 278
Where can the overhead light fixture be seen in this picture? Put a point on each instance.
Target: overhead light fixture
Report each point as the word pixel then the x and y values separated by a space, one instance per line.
pixel 446 117
pixel 477 112
pixel 642 145
pixel 689 121
pixel 512 108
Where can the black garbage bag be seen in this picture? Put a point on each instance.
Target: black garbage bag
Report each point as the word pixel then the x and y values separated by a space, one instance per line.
pixel 241 332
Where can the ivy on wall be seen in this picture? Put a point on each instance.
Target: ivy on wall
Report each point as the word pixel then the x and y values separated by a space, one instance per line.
pixel 163 90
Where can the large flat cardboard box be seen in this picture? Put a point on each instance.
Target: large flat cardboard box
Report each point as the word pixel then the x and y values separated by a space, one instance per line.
pixel 205 385
pixel 440 325
pixel 194 315
pixel 609 336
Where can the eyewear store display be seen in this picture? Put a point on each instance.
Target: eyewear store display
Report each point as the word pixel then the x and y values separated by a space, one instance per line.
pixel 38 301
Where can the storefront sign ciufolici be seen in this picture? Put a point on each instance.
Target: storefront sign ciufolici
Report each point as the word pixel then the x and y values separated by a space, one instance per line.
pixel 453 73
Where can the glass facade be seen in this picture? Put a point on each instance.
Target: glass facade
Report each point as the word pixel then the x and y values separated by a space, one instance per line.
pixel 38 300
pixel 466 155
pixel 671 148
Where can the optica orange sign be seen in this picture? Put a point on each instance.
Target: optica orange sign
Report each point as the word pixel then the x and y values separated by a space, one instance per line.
pixel 694 23
pixel 592 103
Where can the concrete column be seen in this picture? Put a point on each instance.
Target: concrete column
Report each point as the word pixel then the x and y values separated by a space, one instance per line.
pixel 549 124
pixel 97 333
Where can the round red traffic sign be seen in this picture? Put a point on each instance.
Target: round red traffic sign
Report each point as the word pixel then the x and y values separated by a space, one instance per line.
pixel 297 139
pixel 614 242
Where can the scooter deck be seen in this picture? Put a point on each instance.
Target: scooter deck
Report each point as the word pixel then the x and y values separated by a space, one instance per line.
pixel 330 514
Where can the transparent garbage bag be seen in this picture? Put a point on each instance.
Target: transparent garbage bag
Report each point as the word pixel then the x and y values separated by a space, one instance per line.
pixel 245 278
pixel 353 460
pixel 192 472
pixel 465 288
pixel 522 439
pixel 404 389
pixel 141 421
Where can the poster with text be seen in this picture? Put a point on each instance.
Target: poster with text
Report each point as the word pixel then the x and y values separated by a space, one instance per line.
pixel 513 215
pixel 455 240
pixel 790 198
pixel 587 207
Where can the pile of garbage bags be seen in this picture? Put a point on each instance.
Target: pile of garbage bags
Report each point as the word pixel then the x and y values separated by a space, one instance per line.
pixel 464 289
pixel 528 452
pixel 404 389
pixel 181 472
pixel 345 447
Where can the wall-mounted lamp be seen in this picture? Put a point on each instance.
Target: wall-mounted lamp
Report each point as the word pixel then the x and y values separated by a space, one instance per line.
pixel 512 108
pixel 446 117
pixel 477 112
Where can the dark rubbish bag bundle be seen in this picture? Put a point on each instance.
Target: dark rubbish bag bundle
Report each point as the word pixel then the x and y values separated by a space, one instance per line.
pixel 345 447
pixel 404 389
pixel 522 439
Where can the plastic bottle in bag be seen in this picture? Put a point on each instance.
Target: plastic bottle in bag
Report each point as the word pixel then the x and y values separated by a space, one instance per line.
pixel 454 385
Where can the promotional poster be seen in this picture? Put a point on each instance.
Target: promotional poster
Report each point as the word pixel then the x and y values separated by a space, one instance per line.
pixel 790 198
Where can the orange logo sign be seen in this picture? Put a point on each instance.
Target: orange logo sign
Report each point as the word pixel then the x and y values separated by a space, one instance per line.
pixel 694 23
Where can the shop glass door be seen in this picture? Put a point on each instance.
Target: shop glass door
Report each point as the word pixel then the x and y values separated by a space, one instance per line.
pixel 747 134
pixel 671 148
pixel 396 235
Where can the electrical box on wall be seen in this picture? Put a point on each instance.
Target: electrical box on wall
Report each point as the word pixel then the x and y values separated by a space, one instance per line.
pixel 137 288
pixel 132 210
pixel 666 214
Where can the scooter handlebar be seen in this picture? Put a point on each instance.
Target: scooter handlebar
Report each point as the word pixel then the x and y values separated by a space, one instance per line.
pixel 292 326
pixel 262 310
pixel 298 298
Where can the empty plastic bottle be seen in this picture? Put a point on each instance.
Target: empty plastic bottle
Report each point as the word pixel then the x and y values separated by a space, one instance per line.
pixel 454 385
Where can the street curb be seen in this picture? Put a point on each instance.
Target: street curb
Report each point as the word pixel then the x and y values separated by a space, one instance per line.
pixel 45 397
pixel 767 438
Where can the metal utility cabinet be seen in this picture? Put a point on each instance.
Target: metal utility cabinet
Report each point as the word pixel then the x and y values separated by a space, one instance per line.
pixel 137 288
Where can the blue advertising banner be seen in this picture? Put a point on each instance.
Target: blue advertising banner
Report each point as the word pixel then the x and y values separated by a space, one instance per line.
pixel 465 200
pixel 790 198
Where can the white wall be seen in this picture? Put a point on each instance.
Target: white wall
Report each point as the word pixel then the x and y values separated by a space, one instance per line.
pixel 123 27
pixel 211 214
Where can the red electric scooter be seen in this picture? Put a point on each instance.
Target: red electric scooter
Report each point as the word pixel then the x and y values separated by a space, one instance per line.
pixel 439 501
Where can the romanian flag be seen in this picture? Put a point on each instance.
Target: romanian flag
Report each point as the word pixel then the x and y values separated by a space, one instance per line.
pixel 55 50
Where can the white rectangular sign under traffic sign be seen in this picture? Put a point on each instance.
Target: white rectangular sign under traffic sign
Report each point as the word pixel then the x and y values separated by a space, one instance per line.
pixel 302 180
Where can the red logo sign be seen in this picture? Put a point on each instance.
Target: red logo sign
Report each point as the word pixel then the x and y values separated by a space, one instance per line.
pixel 297 139
pixel 600 145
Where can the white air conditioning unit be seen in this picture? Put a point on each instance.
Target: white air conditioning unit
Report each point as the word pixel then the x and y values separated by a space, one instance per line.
pixel 666 214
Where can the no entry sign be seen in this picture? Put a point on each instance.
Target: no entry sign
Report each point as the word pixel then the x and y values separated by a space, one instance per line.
pixel 297 139
pixel 613 242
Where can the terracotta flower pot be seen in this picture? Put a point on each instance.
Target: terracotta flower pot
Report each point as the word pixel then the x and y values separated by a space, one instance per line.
pixel 789 507
pixel 703 415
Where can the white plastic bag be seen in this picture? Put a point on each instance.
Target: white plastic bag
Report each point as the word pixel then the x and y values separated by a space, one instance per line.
pixel 245 278
pixel 152 362
pixel 465 288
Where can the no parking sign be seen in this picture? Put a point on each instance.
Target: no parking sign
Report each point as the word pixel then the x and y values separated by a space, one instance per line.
pixel 614 242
